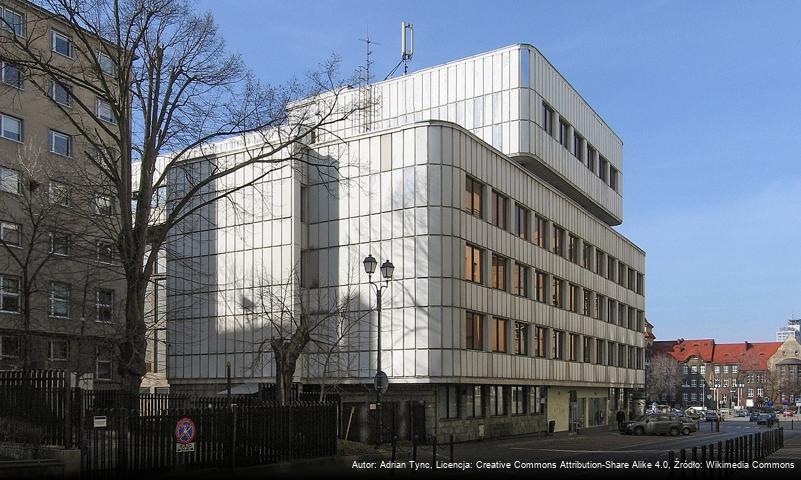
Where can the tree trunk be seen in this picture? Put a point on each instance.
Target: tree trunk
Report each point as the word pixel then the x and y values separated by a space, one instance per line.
pixel 286 354
pixel 132 345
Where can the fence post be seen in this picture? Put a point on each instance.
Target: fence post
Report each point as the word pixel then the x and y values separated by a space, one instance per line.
pixel 720 451
pixel 451 446
pixel 394 446
pixel 233 435
pixel 414 448
pixel 682 455
pixel 703 456
pixel 434 454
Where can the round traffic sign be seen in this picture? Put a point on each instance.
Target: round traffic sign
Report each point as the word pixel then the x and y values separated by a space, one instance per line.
pixel 185 431
pixel 381 382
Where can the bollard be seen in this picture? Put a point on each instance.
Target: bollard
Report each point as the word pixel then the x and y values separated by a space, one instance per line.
pixel 414 448
pixel 703 456
pixel 682 455
pixel 451 447
pixel 720 451
pixel 434 454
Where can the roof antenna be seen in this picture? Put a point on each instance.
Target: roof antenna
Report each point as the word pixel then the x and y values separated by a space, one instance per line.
pixel 407 48
pixel 367 87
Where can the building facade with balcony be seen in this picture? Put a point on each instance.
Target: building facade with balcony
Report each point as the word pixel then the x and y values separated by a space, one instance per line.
pixel 493 187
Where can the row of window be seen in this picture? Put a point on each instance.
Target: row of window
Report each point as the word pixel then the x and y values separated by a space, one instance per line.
pixel 59 299
pixel 60 42
pixel 563 345
pixel 576 146
pixel 11 181
pixel 560 241
pixel 563 294
pixel 58 350
pixel 60 242
pixel 58 143
pixel 702 369
pixel 475 401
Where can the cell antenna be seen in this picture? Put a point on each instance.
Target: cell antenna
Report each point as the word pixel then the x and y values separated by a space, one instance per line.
pixel 407 48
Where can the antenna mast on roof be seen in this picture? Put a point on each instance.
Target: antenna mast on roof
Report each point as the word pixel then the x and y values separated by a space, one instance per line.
pixel 366 84
pixel 407 48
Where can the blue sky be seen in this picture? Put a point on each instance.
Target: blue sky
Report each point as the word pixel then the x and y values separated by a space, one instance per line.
pixel 705 95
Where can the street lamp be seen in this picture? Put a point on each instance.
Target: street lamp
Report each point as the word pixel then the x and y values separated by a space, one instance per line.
pixel 381 381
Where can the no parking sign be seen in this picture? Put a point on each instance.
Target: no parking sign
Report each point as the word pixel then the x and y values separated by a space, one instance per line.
pixel 185 435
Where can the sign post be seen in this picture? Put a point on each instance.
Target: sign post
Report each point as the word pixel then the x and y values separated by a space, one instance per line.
pixel 185 435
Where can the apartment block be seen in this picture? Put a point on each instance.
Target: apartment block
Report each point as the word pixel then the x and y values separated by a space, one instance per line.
pixel 60 293
pixel 493 188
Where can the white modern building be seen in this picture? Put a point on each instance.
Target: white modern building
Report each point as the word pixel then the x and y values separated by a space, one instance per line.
pixel 493 187
pixel 792 329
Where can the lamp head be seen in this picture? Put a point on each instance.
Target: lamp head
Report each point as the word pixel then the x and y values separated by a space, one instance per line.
pixel 369 264
pixel 386 270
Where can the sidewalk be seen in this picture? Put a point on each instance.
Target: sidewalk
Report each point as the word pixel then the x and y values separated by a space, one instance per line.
pixel 791 452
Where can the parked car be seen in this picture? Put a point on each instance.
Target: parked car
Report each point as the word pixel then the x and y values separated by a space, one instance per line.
pixel 694 414
pixel 741 413
pixel 688 425
pixel 754 416
pixel 767 419
pixel 655 425
pixel 713 416
pixel 787 413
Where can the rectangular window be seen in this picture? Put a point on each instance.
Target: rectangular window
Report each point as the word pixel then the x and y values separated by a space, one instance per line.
pixel 498 335
pixel 521 222
pixel 587 350
pixel 632 357
pixel 599 351
pixel 499 205
pixel 557 345
pixel 105 305
pixel 520 280
pixel 11 127
pixel 578 146
pixel 632 323
pixel 586 256
pixel 599 262
pixel 632 279
pixel 596 310
pixel 60 94
pixel 472 401
pixel 702 370
pixel 603 166
pixel 540 234
pixel 450 402
pixel 498 272
pixel 524 68
pixel 621 355
pixel 474 331
pixel 10 233
pixel 735 368
pixel 587 306
pixel 104 205
pixel 9 294
pixel 572 298
pixel 473 196
pixel 517 400
pixel 59 194
pixel 60 143
pixel 10 75
pixel 105 63
pixel 572 347
pixel 10 181
pixel 497 403
pixel 558 235
pixel 539 342
pixel 104 112
pixel 521 339
pixel 613 180
pixel 547 118
pixel 556 297
pixel 534 395
pixel 105 252
pixel 60 243
pixel 611 353
pixel 540 292
pixel 640 283
pixel 685 369
pixel 610 267
pixel 57 350
pixel 611 310
pixel 621 274
pixel 103 364
pixel 9 346
pixel 61 44
pixel 59 299
pixel 13 21
pixel 590 158
pixel 563 134
pixel 572 248
pixel 621 314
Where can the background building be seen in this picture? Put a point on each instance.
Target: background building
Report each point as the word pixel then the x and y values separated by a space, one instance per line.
pixel 60 291
pixel 493 187
pixel 792 329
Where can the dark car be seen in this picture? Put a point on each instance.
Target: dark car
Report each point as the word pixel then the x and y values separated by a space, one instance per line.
pixel 767 419
pixel 753 417
pixel 688 424
pixel 655 425
pixel 741 413
pixel 713 416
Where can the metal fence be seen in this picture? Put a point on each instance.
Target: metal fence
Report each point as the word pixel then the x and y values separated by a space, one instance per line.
pixel 712 457
pixel 35 407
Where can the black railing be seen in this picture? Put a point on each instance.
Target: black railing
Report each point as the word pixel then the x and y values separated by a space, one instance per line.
pixel 743 448
pixel 35 407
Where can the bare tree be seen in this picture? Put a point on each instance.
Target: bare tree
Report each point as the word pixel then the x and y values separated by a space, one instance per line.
pixel 301 320
pixel 164 90
pixel 663 378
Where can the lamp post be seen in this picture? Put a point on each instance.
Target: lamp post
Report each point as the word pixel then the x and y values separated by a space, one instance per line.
pixel 381 381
